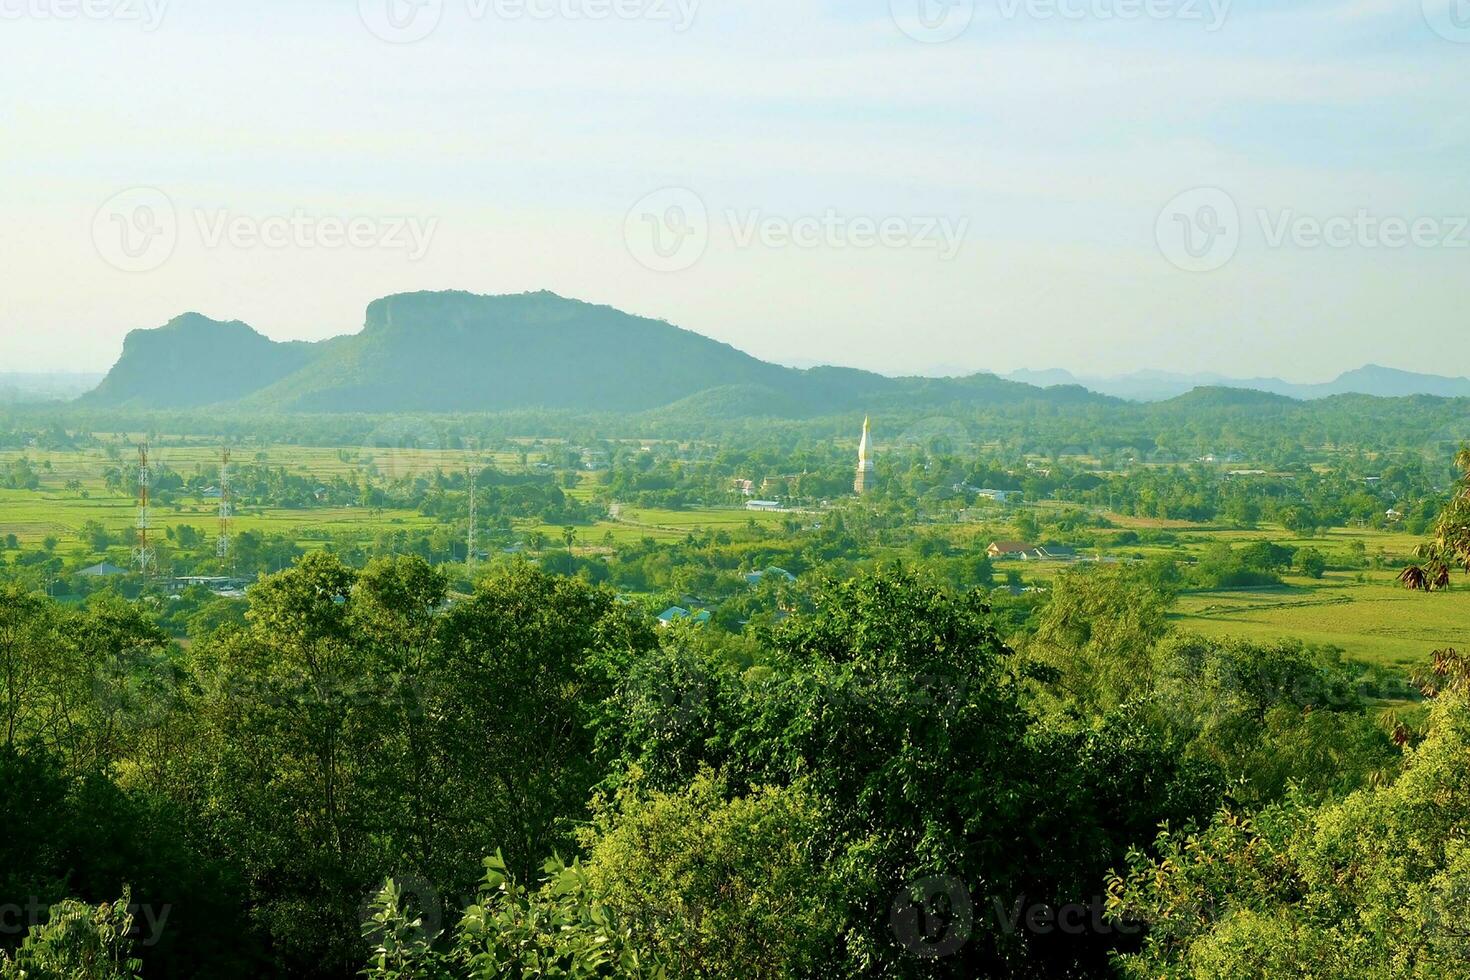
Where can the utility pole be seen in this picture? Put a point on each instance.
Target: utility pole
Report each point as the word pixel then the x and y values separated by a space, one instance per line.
pixel 222 543
pixel 143 555
pixel 469 555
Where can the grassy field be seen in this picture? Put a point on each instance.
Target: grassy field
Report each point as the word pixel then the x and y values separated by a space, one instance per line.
pixel 1372 619
pixel 637 523
pixel 1365 614
pixel 52 511
pixel 34 515
pixel 1376 620
pixel 321 462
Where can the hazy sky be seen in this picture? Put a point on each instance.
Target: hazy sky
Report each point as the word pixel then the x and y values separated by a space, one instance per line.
pixel 1250 187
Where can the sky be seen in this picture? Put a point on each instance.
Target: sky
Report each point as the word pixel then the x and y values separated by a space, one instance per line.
pixel 1249 187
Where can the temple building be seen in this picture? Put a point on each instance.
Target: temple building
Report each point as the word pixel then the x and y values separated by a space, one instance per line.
pixel 865 479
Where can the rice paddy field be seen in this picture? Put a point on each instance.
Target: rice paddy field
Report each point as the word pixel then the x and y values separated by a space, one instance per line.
pixel 1376 621
pixel 1365 613
pixel 73 493
pixel 639 523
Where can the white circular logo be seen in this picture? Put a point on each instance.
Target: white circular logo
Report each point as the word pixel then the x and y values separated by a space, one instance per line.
pixel 401 21
pixel 414 896
pixel 933 918
pixel 668 230
pixel 933 21
pixel 136 230
pixel 1199 231
pixel 403 448
pixel 1450 19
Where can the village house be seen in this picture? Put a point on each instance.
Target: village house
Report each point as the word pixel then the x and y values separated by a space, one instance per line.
pixel 676 614
pixel 754 578
pixel 103 570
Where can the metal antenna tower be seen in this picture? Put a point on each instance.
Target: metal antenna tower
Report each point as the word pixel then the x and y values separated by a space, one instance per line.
pixel 143 555
pixel 222 543
pixel 469 557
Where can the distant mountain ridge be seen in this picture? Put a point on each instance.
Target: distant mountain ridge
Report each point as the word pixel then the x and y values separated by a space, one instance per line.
pixel 1149 385
pixel 42 386
pixel 462 352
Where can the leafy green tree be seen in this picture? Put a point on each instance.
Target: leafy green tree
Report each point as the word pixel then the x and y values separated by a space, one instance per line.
pixel 1096 633
pixel 1373 886
pixel 527 662
pixel 95 536
pixel 77 942
pixel 1311 562
pixel 511 932
pixel 1269 716
pixel 393 615
pixel 213 615
pixel 357 727
pixel 718 887
pixel 1449 547
pixel 116 685
pixel 1266 556
pixel 890 697
pixel 289 744
pixel 27 639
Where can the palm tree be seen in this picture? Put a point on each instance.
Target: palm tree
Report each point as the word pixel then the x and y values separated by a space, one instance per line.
pixel 569 535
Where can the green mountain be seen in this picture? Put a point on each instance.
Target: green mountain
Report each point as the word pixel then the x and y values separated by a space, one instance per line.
pixel 455 351
pixel 193 361
pixel 1222 397
pixel 462 352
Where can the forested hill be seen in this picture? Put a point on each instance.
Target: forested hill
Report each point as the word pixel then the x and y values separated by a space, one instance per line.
pixel 460 352
pixel 193 360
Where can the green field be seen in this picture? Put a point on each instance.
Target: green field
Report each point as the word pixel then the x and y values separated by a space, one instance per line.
pixel 660 524
pixel 1366 614
pixel 52 511
pixel 34 515
pixel 1377 620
